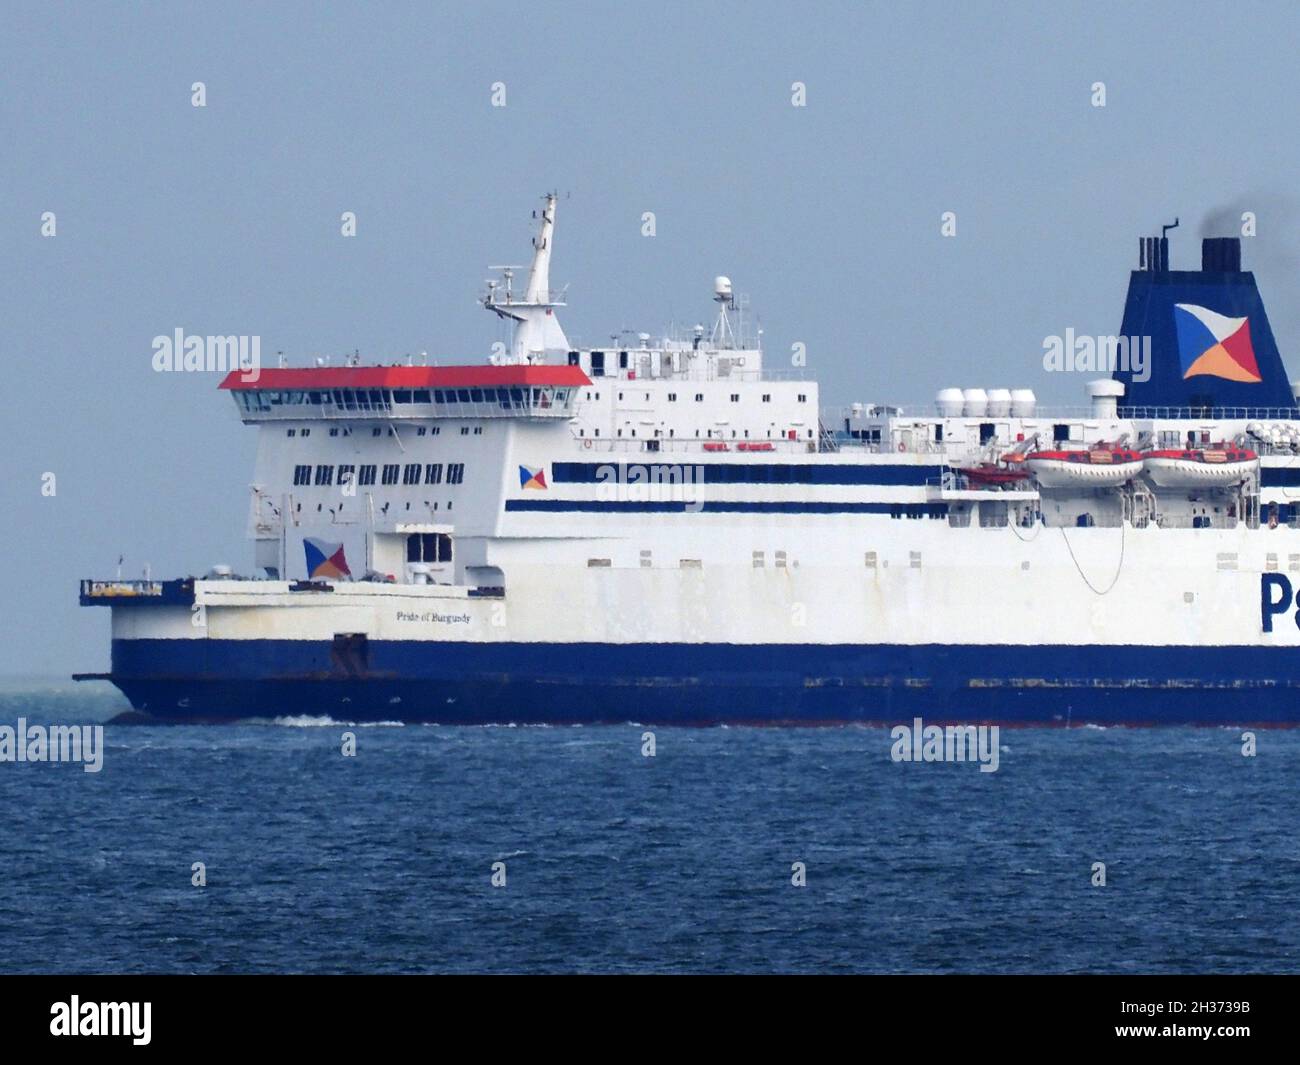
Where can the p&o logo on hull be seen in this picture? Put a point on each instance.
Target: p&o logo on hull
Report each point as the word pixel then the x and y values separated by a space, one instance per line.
pixel 1276 596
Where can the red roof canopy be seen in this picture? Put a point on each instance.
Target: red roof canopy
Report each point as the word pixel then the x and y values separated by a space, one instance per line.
pixel 486 376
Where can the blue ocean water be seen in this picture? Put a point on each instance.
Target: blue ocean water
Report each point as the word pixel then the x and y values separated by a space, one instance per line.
pixel 681 862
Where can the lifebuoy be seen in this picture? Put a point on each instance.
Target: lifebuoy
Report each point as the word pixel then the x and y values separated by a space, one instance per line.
pixel 586 443
pixel 901 446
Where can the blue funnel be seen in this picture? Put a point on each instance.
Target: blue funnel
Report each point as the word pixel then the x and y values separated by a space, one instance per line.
pixel 1211 347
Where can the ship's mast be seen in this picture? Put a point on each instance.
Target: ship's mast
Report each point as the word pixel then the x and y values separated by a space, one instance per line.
pixel 536 329
pixel 539 277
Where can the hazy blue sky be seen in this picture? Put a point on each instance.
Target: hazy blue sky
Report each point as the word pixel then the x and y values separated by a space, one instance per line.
pixel 225 219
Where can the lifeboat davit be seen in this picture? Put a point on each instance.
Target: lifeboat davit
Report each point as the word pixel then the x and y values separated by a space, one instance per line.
pixel 1199 467
pixel 1095 467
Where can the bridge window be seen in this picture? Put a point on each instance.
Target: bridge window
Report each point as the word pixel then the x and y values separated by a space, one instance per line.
pixel 347 474
pixel 302 475
pixel 411 475
pixel 456 473
pixel 390 473
pixel 366 475
pixel 433 473
pixel 324 475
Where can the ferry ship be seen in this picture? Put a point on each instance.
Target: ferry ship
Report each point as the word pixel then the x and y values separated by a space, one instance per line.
pixel 666 532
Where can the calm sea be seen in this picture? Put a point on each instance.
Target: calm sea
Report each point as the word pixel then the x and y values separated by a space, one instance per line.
pixel 614 861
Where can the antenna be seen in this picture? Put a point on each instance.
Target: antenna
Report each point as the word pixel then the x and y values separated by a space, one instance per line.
pixel 536 330
pixel 723 335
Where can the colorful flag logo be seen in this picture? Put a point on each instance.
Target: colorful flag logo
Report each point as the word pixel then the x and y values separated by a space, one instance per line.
pixel 325 559
pixel 1213 345
pixel 530 478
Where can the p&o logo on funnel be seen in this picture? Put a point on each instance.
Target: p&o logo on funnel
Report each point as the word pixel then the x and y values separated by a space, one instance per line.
pixel 1214 345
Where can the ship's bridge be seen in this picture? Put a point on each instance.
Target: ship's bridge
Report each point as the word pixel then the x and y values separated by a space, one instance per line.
pixel 415 392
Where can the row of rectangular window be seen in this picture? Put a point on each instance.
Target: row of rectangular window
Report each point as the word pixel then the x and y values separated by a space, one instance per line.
pixel 383 399
pixel 410 474
pixel 699 397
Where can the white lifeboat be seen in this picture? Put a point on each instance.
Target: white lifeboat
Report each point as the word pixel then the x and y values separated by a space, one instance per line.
pixel 1095 467
pixel 1199 467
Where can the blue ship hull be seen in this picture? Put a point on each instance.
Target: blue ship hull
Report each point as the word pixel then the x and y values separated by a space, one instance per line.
pixel 710 684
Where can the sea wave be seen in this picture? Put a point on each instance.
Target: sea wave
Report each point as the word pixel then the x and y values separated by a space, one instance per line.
pixel 319 721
